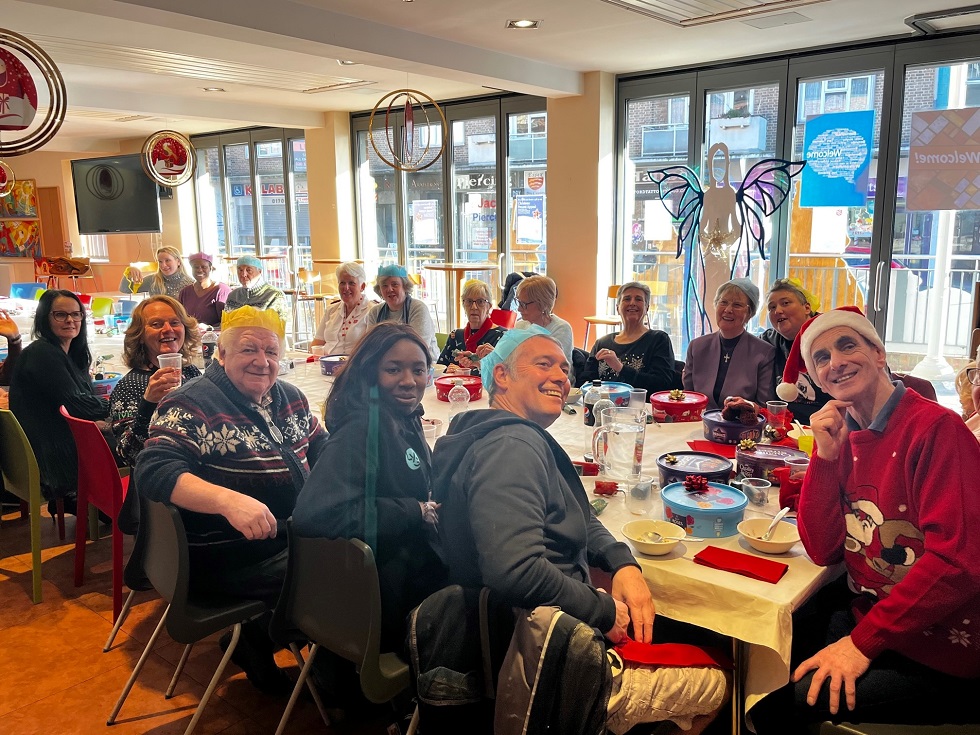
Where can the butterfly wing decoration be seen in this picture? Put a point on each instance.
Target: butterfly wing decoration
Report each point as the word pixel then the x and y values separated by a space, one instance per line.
pixel 764 189
pixel 681 185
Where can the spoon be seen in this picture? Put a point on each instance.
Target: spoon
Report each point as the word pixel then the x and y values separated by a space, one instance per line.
pixel 772 526
pixel 799 427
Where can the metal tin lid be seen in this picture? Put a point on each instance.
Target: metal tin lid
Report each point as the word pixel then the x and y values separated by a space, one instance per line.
pixel 769 453
pixel 690 397
pixel 719 498
pixel 695 462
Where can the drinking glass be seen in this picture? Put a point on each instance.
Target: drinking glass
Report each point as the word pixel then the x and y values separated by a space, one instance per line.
pixel 756 490
pixel 797 467
pixel 639 494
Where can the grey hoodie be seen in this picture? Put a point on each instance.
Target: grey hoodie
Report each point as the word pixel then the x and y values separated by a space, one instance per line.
pixel 515 517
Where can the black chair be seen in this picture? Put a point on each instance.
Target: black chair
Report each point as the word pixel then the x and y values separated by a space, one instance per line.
pixel 332 598
pixel 190 616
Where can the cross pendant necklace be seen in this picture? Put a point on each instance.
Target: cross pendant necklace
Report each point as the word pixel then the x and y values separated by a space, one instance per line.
pixel 727 357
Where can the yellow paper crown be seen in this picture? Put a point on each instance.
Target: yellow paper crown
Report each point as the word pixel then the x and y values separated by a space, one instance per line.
pixel 811 297
pixel 249 316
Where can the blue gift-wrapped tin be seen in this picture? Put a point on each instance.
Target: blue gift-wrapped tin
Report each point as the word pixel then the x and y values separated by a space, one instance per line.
pixel 713 513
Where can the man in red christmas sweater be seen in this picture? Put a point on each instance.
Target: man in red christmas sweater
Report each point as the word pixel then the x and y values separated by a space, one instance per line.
pixel 893 491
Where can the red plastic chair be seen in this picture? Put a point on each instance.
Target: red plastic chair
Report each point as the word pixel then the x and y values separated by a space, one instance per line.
pixel 504 318
pixel 99 483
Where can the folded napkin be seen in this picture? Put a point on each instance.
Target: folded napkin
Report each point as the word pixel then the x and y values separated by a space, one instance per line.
pixel 789 490
pixel 764 570
pixel 672 654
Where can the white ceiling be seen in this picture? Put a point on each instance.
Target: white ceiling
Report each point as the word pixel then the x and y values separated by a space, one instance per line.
pixel 135 66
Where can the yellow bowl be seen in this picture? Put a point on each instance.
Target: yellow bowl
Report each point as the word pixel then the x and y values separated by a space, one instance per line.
pixel 784 536
pixel 635 531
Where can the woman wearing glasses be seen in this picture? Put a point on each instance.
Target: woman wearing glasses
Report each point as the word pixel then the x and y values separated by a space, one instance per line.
pixel 968 387
pixel 462 347
pixel 536 297
pixel 731 362
pixel 53 371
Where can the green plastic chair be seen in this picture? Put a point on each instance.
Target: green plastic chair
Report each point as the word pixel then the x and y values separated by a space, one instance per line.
pixel 441 339
pixel 101 309
pixel 22 477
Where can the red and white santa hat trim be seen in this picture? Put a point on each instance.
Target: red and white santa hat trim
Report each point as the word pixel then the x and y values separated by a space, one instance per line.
pixel 799 359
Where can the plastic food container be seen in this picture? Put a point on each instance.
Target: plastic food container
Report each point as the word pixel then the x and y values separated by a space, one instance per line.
pixel 104 386
pixel 472 383
pixel 712 467
pixel 763 459
pixel 330 363
pixel 714 513
pixel 689 408
pixel 619 393
pixel 716 429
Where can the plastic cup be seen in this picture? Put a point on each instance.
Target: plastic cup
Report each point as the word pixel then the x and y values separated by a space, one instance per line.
pixel 805 443
pixel 175 360
pixel 797 467
pixel 777 413
pixel 639 494
pixel 756 490
pixel 317 350
pixel 638 398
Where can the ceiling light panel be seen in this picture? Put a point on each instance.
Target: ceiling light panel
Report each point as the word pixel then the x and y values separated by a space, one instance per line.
pixel 149 61
pixel 699 12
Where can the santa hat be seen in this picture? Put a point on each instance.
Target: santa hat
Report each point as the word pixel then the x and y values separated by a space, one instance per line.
pixel 799 359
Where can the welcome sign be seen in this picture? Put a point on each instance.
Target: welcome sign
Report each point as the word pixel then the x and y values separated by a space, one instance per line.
pixel 944 160
pixel 837 148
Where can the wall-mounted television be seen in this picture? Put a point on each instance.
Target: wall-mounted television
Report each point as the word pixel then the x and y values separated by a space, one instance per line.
pixel 114 195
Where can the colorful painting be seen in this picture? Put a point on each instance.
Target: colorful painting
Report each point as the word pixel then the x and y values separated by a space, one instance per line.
pixel 21 202
pixel 20 237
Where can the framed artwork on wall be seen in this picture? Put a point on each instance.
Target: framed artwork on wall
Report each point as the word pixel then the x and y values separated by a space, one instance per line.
pixel 20 227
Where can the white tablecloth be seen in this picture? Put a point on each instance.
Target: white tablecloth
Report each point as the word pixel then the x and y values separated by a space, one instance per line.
pixel 757 613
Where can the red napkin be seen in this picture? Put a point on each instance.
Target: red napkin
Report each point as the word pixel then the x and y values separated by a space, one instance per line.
pixel 672 654
pixel 703 445
pixel 764 570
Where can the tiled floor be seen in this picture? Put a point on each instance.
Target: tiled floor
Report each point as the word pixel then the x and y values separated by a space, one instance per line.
pixel 54 677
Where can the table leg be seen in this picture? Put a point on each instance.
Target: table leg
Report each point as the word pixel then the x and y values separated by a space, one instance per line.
pixel 738 687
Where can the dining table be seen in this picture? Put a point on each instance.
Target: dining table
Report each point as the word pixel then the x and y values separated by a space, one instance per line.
pixel 756 615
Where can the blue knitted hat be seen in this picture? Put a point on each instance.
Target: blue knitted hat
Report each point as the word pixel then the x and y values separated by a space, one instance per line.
pixel 392 269
pixel 505 346
pixel 249 260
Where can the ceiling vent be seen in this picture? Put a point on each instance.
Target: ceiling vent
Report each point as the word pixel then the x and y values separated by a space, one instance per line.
pixel 699 12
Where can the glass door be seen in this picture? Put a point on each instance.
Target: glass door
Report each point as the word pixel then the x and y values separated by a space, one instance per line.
pixel 210 206
pixel 238 195
pixel 527 165
pixel 377 212
pixel 836 127
pixel 935 243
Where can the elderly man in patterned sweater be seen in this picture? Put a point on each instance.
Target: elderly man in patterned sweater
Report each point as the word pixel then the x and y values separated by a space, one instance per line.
pixel 892 492
pixel 232 450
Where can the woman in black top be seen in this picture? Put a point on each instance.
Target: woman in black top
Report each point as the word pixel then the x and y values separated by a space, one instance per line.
pixel 53 371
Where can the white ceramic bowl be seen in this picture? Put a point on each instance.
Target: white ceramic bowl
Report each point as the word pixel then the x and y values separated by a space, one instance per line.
pixel 574 395
pixel 795 433
pixel 636 531
pixel 784 536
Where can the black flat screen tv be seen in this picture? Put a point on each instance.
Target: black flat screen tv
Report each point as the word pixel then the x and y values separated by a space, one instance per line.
pixel 114 195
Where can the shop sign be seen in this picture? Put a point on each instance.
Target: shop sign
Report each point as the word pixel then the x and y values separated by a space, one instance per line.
pixel 944 156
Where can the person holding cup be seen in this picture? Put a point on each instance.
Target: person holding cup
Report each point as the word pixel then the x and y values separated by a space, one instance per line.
pixel 160 327
pixel 467 345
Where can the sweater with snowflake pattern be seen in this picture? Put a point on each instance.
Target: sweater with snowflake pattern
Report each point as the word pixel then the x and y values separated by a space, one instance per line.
pixel 211 430
pixel 900 507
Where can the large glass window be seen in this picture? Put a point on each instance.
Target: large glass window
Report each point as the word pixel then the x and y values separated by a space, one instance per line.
pixel 252 199
pixel 658 136
pixel 935 244
pixel 454 211
pixel 831 227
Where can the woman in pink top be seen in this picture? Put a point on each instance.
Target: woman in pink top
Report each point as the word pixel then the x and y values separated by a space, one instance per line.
pixel 204 299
